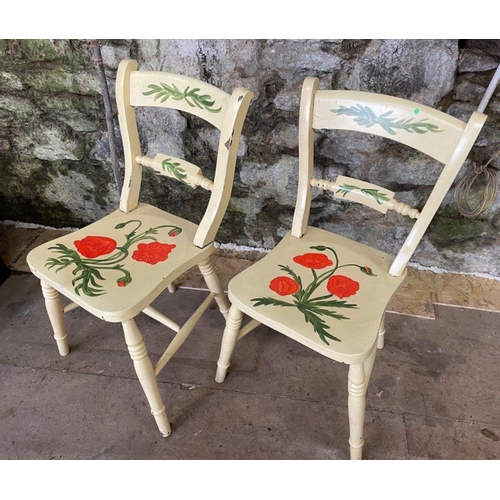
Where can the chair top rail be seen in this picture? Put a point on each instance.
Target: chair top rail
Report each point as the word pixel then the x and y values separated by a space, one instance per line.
pixel 184 93
pixel 431 131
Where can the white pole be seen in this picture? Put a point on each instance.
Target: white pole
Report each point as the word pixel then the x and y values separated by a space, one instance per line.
pixel 489 91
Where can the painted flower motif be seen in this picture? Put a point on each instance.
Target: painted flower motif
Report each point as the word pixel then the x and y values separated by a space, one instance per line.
pixel 122 282
pixel 317 308
pixel 367 270
pixel 152 253
pixel 283 285
pixel 95 246
pixel 313 260
pixel 103 255
pixel 342 286
pixel 175 231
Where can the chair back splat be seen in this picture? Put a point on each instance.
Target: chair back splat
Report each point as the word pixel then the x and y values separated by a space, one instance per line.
pixel 116 267
pixel 329 292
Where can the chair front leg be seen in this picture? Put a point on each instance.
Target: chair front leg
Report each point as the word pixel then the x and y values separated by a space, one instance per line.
pixel 356 408
pixel 146 375
pixel 56 317
pixel 229 338
pixel 214 285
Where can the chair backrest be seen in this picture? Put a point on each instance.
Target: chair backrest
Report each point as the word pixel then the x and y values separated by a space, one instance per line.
pixel 168 90
pixel 425 129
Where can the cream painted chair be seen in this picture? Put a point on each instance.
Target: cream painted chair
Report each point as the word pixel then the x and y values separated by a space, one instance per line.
pixel 328 292
pixel 116 267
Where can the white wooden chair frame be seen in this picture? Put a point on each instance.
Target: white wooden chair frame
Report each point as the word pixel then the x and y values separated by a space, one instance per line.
pixel 376 275
pixel 141 280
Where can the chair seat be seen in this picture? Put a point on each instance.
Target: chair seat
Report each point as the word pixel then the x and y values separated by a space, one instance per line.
pixel 117 266
pixel 323 290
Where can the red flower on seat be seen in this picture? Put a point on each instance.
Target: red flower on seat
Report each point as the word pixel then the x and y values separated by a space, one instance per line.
pixel 175 231
pixel 122 282
pixel 152 253
pixel 342 286
pixel 95 246
pixel 283 285
pixel 313 260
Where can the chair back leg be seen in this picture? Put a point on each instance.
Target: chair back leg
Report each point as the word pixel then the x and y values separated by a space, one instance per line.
pixel 214 285
pixel 146 374
pixel 229 338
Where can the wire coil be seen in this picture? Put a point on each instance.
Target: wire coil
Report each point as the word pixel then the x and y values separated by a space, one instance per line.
pixel 464 192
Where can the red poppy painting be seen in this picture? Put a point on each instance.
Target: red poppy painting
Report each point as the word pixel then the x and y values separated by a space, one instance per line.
pixel 95 246
pixel 342 286
pixel 313 260
pixel 152 253
pixel 283 285
pixel 97 255
pixel 308 297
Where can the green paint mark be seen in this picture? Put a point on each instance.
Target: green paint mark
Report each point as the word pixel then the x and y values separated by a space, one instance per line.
pixel 416 111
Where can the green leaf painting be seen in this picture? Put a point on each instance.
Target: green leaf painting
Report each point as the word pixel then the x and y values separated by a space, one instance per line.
pixel 377 195
pixel 366 117
pixel 191 96
pixel 173 168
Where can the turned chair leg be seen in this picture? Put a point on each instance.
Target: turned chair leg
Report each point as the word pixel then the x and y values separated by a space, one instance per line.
pixel 356 409
pixel 214 285
pixel 381 334
pixel 359 376
pixel 146 375
pixel 229 338
pixel 56 317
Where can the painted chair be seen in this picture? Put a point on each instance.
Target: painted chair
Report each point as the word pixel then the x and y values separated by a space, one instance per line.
pixel 326 291
pixel 116 267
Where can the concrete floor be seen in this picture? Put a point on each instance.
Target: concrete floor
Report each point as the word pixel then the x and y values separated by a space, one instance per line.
pixel 434 392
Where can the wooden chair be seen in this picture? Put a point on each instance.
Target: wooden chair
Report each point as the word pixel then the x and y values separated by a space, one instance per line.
pixel 116 267
pixel 326 291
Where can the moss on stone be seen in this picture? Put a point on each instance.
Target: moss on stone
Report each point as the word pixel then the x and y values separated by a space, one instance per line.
pixel 10 81
pixel 232 228
pixel 3 47
pixel 445 232
pixel 50 80
pixel 270 222
pixel 38 49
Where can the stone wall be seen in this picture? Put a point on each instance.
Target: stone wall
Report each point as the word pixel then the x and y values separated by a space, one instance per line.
pixel 54 152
